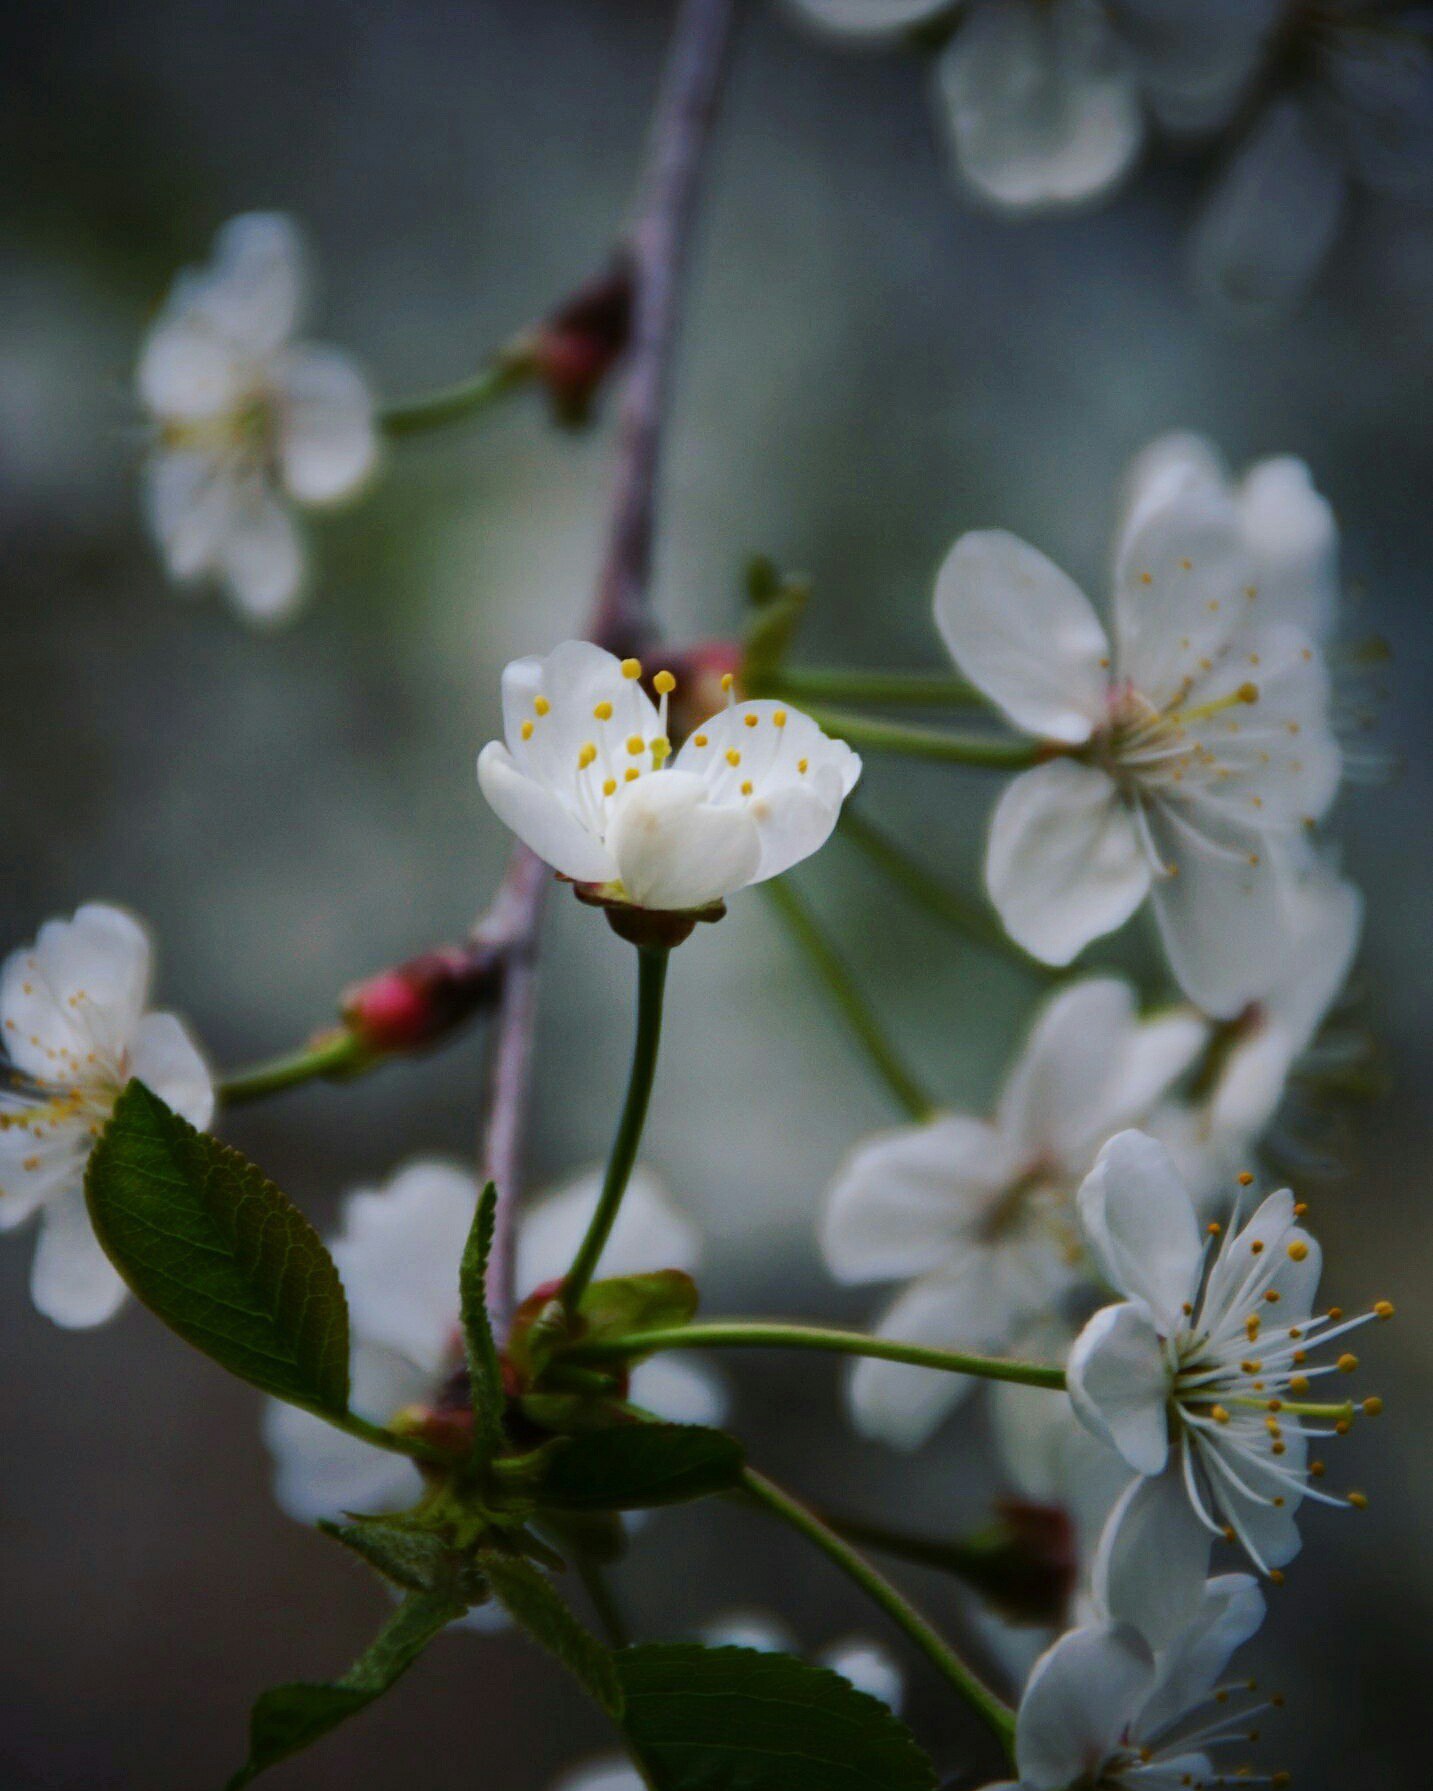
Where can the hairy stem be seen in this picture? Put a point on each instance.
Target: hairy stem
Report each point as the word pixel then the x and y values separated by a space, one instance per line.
pixel 741 1333
pixel 804 928
pixel 651 982
pixel 997 1716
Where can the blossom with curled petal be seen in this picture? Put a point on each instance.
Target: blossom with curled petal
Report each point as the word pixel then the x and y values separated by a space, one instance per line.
pixel 977 1215
pixel 1103 1711
pixel 586 779
pixel 398 1255
pixel 1200 1378
pixel 249 422
pixel 1187 758
pixel 76 1026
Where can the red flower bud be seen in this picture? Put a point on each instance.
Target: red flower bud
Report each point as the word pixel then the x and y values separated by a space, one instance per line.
pixel 417 1002
pixel 700 691
pixel 579 344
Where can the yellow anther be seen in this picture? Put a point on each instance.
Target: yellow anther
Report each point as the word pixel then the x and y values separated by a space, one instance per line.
pixel 631 668
pixel 1186 565
pixel 699 740
pixel 1214 1228
pixel 1219 1414
pixel 727 680
pixel 751 719
pixel 1299 1385
pixel 1372 1406
pixel 1300 1356
pixel 1251 1326
pixel 541 704
pixel 1301 1207
pixel 1228 1532
pixel 1246 1178
pixel 801 766
pixel 1347 1362
pixel 636 744
pixel 1276 1405
pixel 1248 692
pixel 661 749
pixel 526 730
pixel 586 755
pixel 1335 1313
pixel 630 775
pixel 609 787
pixel 1358 1500
pixel 1257 1245
pixel 1272 1426
pixel 664 684
pixel 778 719
pixel 733 757
pixel 1383 1308
pixel 1273 1296
pixel 1298 1250
pixel 1250 1365
pixel 746 787
pixel 603 712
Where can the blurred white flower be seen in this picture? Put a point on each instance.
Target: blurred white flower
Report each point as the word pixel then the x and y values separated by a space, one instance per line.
pixel 1199 1379
pixel 1102 1708
pixel 981 1212
pixel 583 780
pixel 1356 110
pixel 249 421
pixel 76 1028
pixel 398 1255
pixel 1189 759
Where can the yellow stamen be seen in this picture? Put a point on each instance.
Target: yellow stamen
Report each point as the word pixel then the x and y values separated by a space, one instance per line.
pixel 526 730
pixel 603 712
pixel 631 668
pixel 541 704
pixel 664 683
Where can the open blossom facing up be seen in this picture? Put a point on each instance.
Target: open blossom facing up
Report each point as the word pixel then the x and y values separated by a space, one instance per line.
pixel 1189 756
pixel 587 780
pixel 1200 1380
pixel 249 422
pixel 76 1028
pixel 397 1254
pixel 981 1211
pixel 1102 1711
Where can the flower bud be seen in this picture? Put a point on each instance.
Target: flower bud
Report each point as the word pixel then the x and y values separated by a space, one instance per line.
pixel 415 1003
pixel 576 347
pixel 700 692
pixel 1025 1563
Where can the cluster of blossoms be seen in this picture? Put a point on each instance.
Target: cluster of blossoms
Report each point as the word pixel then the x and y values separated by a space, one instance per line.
pixel 1048 104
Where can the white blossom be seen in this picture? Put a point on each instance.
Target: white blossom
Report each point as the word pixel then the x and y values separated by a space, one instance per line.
pixel 585 780
pixel 1188 758
pixel 1357 113
pixel 398 1254
pixel 980 1212
pixel 1103 1709
pixel 76 1027
pixel 1199 1379
pixel 249 421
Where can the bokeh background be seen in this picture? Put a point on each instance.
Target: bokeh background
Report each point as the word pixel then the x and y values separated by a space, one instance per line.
pixel 869 368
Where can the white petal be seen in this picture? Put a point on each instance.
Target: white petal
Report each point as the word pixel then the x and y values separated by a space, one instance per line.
pixel 72 1281
pixel 1273 218
pixel 680 1390
pixel 676 848
pixel 1053 1458
pixel 1024 633
pixel 541 820
pixel 749 1629
pixel 1064 863
pixel 559 696
pixel 1081 1697
pixel 1270 1227
pixel 650 1232
pixel 253 291
pixel 168 1062
pixel 1076 1041
pixel 1040 103
pixel 1119 1384
pixel 261 555
pixel 189 502
pixel 398 1255
pixel 188 373
pixel 79 990
pixel 1196 62
pixel 1187 1671
pixel 1141 1227
pixel 327 442
pixel 868 1667
pixel 34 1170
pixel 1156 1053
pixel 904 1198
pixel 1181 572
pixel 1177 462
pixel 1153 1558
pixel 1291 531
pixel 605 1774
pixel 868 18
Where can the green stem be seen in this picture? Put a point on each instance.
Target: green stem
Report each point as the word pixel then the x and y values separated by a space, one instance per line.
pixel 334 1054
pixel 822 684
pixel 929 893
pixel 601 1598
pixel 993 752
pixel 382 1438
pixel 651 981
pixel 808 933
pixel 776 1334
pixel 998 1717
pixel 452 404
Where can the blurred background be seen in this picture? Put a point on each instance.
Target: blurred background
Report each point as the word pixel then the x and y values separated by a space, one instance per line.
pixel 869 367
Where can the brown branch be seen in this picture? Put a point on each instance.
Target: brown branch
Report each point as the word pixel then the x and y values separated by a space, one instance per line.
pixel 654 252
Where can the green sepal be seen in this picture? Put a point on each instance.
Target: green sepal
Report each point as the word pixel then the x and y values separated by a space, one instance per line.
pixel 212 1248
pixel 658 1300
pixel 485 1375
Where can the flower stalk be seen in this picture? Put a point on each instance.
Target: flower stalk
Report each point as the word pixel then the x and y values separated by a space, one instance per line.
pixel 505 373
pixel 336 1053
pixel 989 752
pixel 833 684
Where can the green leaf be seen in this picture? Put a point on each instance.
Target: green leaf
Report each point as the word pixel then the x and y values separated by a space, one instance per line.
pixel 731 1719
pixel 485 1375
pixel 656 1301
pixel 531 1600
pixel 213 1248
pixel 418 1560
pixel 291 1717
pixel 629 1466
